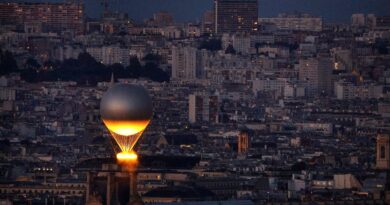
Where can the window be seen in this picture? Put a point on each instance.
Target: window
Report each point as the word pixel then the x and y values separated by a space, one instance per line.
pixel 383 154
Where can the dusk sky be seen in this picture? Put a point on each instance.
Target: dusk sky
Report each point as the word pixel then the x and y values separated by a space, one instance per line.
pixel 183 10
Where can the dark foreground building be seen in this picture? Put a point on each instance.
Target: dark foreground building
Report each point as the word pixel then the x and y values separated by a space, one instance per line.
pixel 109 183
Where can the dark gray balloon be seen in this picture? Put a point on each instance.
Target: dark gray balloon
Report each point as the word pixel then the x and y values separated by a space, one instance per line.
pixel 126 102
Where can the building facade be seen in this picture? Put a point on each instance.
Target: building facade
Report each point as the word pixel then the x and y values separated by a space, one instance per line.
pixel 186 63
pixel 382 22
pixel 316 72
pixel 243 142
pixel 383 151
pixel 53 17
pixel 235 16
pixel 111 54
pixel 203 108
pixel 348 90
pixel 207 24
pixel 298 22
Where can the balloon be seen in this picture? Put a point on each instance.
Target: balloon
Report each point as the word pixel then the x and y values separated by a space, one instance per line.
pixel 126 111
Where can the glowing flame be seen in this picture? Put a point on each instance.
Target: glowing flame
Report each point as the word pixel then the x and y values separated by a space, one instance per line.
pixel 126 127
pixel 127 156
pixel 128 160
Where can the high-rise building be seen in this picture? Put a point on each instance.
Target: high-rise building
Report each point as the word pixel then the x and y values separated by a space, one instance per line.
pixel 243 142
pixel 186 62
pixel 235 16
pixel 11 13
pixel 54 17
pixel 203 107
pixel 382 22
pixel 317 74
pixel 162 19
pixel 383 151
pixel 363 20
pixel 358 20
pixel 207 24
pixel 371 20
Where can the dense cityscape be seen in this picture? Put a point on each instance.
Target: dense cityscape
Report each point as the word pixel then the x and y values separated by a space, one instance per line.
pixel 290 109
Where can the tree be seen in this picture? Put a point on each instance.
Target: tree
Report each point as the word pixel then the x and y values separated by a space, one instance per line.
pixel 299 166
pixel 230 50
pixel 52 64
pixel 119 71
pixel 29 75
pixel 153 72
pixel 5 146
pixel 152 58
pixel 98 140
pixel 86 69
pixel 134 67
pixel 7 63
pixel 211 44
pixel 86 59
pixel 31 63
pixel 134 63
pixel 5 142
pixel 25 142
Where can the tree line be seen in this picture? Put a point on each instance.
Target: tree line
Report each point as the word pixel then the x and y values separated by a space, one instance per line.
pixel 83 70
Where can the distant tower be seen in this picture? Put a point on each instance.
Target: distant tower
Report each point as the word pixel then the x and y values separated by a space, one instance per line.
pixel 383 151
pixel 243 142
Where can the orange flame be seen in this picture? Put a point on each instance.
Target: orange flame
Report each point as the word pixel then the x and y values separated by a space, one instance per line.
pixel 126 127
pixel 128 160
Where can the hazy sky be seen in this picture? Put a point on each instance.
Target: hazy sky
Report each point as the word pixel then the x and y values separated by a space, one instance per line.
pixel 183 10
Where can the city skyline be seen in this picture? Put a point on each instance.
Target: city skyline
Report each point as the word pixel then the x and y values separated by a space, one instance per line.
pixel 237 109
pixel 190 10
